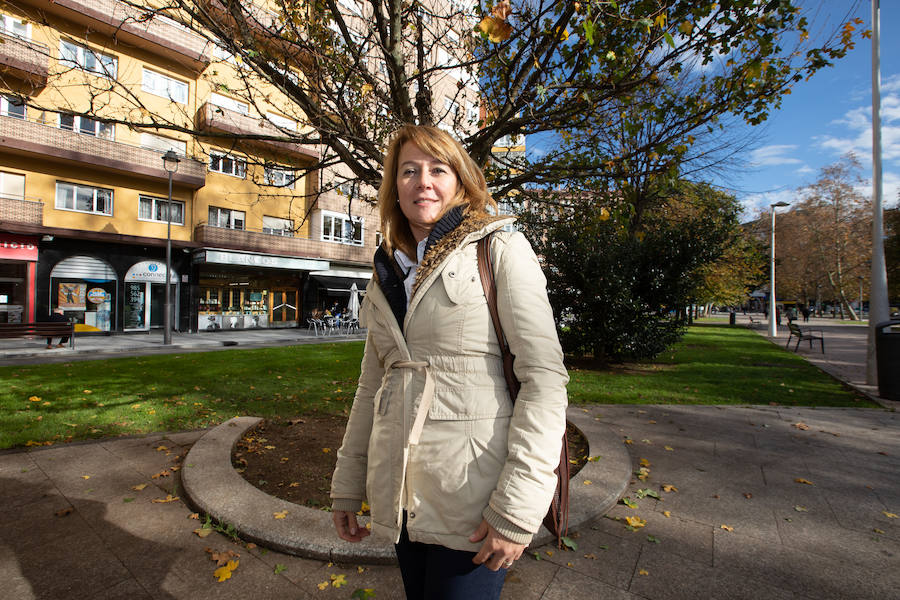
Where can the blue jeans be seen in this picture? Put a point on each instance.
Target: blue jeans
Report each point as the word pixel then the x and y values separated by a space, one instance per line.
pixel 434 572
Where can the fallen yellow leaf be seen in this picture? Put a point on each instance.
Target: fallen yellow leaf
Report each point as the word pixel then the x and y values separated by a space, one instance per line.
pixel 889 515
pixel 323 585
pixel 590 556
pixel 34 398
pixel 139 487
pixel 85 476
pixel 645 462
pixel 643 572
pixel 168 498
pixel 727 528
pixel 669 488
pixel 326 450
pixel 806 481
pixel 203 531
pixel 670 449
pixel 635 522
pixel 588 482
pixel 224 572
pixel 281 515
pixel 667 514
pixel 338 580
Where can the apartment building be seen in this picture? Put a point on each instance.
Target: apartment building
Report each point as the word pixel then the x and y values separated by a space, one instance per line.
pixel 84 209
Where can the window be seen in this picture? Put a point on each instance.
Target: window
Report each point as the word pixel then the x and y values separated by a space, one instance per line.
pixel 229 103
pixel 472 114
pixel 94 62
pixel 12 107
pixel 154 209
pixel 378 238
pixel 84 198
pixel 227 164
pixel 225 217
pixel 280 177
pixel 10 25
pixel 340 228
pixel 351 5
pixel 282 122
pixel 12 185
pixel 452 110
pixel 277 226
pixel 87 126
pixel 163 144
pixel 162 85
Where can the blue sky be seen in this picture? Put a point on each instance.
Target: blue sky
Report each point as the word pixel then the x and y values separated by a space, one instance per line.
pixel 828 116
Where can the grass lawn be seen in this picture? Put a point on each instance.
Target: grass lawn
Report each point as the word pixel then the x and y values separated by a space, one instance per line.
pixel 714 364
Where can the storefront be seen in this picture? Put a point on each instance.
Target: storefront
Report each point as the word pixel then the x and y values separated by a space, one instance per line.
pixel 18 260
pixel 331 289
pixel 145 295
pixel 85 287
pixel 240 290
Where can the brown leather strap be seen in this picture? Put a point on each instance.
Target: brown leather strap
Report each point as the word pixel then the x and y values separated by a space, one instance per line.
pixel 486 271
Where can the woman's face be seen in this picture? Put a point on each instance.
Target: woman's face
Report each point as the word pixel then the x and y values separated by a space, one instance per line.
pixel 425 188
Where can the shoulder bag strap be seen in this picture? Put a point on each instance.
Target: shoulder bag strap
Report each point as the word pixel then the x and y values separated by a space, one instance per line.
pixel 486 271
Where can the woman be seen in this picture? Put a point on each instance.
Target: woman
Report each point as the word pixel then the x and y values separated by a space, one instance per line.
pixel 455 475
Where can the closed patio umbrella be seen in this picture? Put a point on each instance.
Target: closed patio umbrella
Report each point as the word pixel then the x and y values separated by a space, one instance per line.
pixel 353 305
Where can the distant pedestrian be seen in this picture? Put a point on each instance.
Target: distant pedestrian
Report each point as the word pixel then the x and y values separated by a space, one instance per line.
pixel 805 311
pixel 58 316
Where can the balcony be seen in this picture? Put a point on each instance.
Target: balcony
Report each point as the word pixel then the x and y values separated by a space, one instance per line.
pixel 220 237
pixel 133 26
pixel 24 59
pixel 45 142
pixel 19 210
pixel 223 120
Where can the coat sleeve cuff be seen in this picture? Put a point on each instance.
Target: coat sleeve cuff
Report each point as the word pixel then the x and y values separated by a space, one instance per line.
pixel 346 504
pixel 512 532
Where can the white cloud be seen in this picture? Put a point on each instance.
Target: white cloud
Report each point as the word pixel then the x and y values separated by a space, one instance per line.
pixel 755 204
pixel 774 155
pixel 804 170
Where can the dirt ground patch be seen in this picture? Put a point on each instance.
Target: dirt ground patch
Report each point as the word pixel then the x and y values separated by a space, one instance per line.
pixel 293 459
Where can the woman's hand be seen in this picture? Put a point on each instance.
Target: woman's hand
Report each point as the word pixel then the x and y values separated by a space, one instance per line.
pixel 496 551
pixel 347 527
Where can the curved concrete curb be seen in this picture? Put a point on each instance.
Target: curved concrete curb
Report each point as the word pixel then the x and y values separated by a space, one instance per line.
pixel 213 486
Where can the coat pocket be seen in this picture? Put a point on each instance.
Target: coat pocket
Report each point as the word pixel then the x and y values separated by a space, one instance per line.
pixel 462 282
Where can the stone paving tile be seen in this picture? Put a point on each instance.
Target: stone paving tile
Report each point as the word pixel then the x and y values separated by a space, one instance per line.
pixel 37 523
pixel 25 487
pixel 529 580
pixel 662 575
pixel 71 567
pixel 571 584
pixel 601 555
pixel 802 571
pixel 126 590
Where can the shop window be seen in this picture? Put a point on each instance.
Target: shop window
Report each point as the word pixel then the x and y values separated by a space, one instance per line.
pixel 154 209
pixel 12 185
pixel 167 87
pixel 225 217
pixel 280 177
pixel 87 126
pixel 73 55
pixel 12 107
pixel 278 226
pixel 228 165
pixel 342 229
pixel 84 198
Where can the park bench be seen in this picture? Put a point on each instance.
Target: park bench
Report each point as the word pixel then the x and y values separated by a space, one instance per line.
pixel 44 329
pixel 753 322
pixel 804 334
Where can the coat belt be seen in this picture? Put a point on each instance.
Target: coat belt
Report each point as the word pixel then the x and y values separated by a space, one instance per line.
pixel 427 397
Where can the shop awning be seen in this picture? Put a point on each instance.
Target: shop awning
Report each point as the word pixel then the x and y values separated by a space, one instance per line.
pixel 339 281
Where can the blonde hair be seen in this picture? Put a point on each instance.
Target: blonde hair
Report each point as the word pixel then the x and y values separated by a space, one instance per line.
pixel 472 190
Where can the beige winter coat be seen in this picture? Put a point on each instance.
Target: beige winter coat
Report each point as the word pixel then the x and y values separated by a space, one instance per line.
pixel 475 456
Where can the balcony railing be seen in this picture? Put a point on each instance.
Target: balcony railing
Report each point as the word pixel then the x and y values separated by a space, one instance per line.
pixel 61 145
pixel 215 118
pixel 141 28
pixel 238 239
pixel 24 59
pixel 20 210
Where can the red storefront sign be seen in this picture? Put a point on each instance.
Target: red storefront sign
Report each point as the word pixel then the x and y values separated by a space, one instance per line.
pixel 18 247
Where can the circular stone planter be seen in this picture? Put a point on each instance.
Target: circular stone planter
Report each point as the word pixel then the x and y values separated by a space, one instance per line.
pixel 213 487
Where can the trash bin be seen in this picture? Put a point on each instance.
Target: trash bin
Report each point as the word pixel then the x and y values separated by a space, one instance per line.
pixel 887 352
pixel 732 318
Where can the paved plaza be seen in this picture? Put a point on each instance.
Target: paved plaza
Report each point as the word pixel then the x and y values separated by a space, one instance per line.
pixel 733 502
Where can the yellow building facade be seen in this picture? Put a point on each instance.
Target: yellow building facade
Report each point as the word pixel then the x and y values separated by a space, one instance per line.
pixel 84 203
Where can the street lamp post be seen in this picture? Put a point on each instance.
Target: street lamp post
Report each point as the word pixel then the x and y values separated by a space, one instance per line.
pixel 773 323
pixel 170 162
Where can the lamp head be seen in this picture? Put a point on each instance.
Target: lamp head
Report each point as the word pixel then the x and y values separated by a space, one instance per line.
pixel 776 205
pixel 170 161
